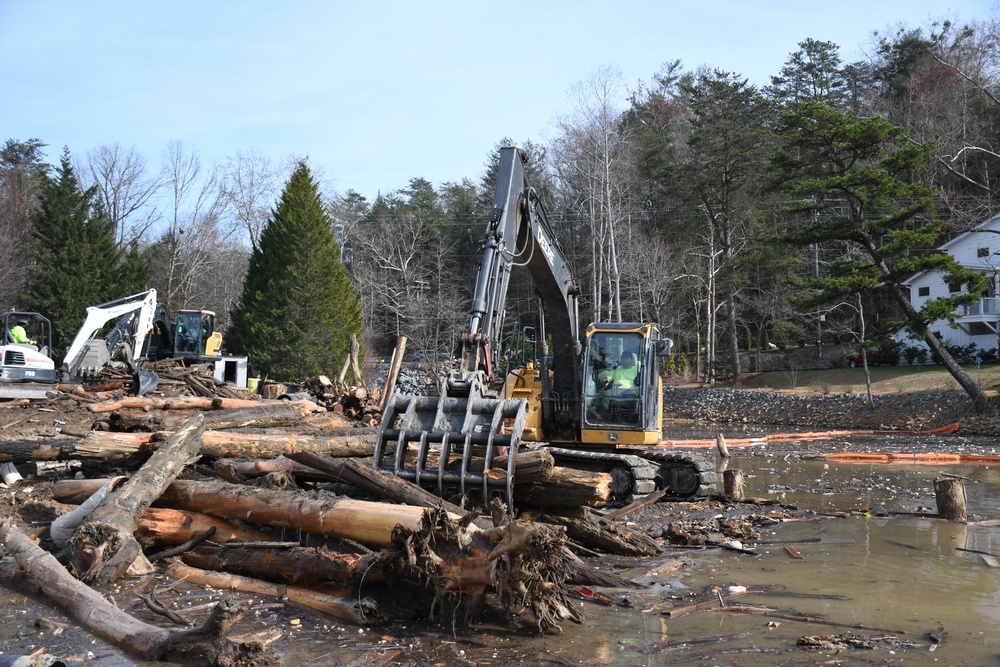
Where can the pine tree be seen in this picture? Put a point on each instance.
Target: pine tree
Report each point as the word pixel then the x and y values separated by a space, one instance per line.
pixel 77 262
pixel 850 177
pixel 298 308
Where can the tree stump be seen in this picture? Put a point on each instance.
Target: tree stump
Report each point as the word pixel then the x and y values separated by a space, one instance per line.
pixel 733 484
pixel 950 495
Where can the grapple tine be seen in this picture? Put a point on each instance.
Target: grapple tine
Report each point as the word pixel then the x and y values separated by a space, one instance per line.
pixel 435 425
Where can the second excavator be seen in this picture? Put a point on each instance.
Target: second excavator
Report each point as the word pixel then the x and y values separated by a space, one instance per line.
pixel 595 401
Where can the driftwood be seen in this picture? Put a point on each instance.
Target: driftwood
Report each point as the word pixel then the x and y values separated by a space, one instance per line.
pixel 949 492
pixel 351 609
pixel 588 529
pixel 635 506
pixel 368 479
pixel 526 564
pixel 302 566
pixel 104 547
pixel 205 645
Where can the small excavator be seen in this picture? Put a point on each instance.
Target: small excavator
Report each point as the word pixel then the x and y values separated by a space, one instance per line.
pixel 594 401
pixel 144 332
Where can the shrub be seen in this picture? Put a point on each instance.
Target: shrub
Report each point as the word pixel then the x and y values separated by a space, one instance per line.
pixel 915 354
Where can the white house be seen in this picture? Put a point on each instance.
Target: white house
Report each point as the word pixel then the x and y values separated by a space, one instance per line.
pixel 978 323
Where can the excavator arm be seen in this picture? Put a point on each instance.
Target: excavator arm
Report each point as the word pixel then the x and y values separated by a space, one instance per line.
pixel 144 305
pixel 518 233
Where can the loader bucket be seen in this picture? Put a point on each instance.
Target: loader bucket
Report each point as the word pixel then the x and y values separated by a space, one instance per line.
pixel 143 381
pixel 449 444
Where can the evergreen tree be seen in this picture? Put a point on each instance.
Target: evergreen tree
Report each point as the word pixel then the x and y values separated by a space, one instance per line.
pixel 77 261
pixel 298 308
pixel 851 176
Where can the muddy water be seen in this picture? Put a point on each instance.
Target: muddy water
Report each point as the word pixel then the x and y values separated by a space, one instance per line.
pixel 895 573
pixel 899 574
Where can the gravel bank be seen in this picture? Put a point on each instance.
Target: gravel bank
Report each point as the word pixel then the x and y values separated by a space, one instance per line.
pixel 916 411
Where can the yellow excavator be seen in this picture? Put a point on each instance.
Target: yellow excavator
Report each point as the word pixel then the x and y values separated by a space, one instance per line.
pixel 595 401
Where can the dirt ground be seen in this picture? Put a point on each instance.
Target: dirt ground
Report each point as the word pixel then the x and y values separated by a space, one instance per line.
pixel 411 639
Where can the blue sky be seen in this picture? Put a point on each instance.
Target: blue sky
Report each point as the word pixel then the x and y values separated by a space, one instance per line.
pixel 376 93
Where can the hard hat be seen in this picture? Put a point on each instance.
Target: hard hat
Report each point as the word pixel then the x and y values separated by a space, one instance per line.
pixel 22 321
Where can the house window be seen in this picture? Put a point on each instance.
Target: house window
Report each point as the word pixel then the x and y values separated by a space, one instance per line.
pixel 983 252
pixel 924 291
pixel 954 287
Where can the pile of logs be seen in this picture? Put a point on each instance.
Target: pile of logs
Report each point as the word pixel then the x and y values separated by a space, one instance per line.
pixel 279 497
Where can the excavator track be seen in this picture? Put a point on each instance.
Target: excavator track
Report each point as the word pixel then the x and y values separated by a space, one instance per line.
pixel 686 477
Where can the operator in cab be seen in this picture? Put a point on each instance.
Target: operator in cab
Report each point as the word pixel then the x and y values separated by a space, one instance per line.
pixel 623 376
pixel 19 335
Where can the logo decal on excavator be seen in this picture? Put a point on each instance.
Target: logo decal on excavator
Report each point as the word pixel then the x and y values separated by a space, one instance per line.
pixel 546 247
pixel 612 436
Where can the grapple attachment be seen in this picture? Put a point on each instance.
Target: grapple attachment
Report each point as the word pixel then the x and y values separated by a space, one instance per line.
pixel 450 444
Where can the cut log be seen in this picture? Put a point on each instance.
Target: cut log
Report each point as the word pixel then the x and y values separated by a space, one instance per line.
pixel 206 645
pixel 47 449
pixel 168 527
pixel 264 415
pixel 358 611
pixel 566 487
pixel 174 403
pixel 368 479
pixel 238 471
pixel 536 465
pixel 393 374
pixel 104 547
pixel 302 566
pixel 355 366
pixel 366 522
pixel 218 444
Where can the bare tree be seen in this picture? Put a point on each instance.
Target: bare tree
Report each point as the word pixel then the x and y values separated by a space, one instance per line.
pixel 592 155
pixel 189 248
pixel 21 171
pixel 250 190
pixel 126 189
pixel 404 268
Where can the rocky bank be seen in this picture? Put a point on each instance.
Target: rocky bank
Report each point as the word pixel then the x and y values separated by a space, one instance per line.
pixel 910 411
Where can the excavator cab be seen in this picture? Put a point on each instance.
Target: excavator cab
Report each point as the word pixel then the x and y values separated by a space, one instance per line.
pixel 195 335
pixel 25 367
pixel 621 389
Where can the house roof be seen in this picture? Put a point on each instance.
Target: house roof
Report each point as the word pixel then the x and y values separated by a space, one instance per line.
pixel 989 223
pixel 992 224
